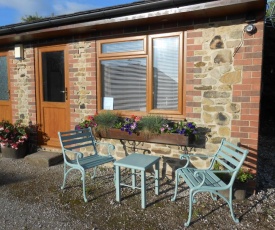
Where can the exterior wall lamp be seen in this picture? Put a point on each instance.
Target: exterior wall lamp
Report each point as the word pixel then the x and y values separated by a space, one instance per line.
pixel 250 29
pixel 18 52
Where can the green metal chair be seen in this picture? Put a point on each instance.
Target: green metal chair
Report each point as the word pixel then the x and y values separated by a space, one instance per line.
pixel 72 142
pixel 230 156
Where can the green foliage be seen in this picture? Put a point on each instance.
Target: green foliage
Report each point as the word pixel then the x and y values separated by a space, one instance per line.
pixel 223 176
pixel 106 120
pixel 13 135
pixel 270 6
pixel 148 125
pixel 184 127
pixel 87 122
pixel 217 166
pixel 244 175
pixel 31 18
pixel 152 124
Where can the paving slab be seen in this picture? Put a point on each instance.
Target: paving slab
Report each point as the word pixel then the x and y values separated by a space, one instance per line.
pixel 44 158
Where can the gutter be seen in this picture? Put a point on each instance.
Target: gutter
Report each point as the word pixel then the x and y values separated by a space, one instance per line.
pixel 92 15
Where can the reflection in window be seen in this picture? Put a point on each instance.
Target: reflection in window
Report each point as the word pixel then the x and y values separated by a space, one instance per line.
pixel 125 81
pixel 166 72
pixel 53 76
pixel 4 90
pixel 127 46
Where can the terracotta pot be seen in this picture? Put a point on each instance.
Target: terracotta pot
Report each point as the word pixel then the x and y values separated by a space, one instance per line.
pixel 9 152
pixel 166 138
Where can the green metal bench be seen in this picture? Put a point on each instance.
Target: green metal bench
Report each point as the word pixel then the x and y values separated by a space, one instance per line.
pixel 230 156
pixel 72 142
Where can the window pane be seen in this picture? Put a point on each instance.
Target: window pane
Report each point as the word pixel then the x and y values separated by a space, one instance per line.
pixel 119 47
pixel 53 76
pixel 4 95
pixel 165 72
pixel 125 81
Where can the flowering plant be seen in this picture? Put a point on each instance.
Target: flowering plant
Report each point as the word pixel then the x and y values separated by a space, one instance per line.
pixel 89 121
pixel 12 135
pixel 150 124
pixel 158 125
pixel 130 125
pixel 184 127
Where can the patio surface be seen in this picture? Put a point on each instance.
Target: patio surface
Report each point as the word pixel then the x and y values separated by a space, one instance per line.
pixel 31 198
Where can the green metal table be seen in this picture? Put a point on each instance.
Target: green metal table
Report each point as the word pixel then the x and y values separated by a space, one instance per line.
pixel 141 162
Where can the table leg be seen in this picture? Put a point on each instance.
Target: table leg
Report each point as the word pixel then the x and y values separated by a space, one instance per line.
pixel 157 178
pixel 133 178
pixel 118 195
pixel 143 189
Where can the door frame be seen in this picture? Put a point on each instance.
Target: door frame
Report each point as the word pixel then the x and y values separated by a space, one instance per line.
pixel 8 102
pixel 39 89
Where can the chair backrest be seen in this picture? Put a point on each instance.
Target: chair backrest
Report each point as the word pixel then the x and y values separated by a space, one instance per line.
pixel 77 139
pixel 231 157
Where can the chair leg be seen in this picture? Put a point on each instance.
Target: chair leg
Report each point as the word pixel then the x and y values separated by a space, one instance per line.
pixel 84 188
pixel 176 186
pixel 190 208
pixel 66 172
pixel 114 168
pixel 214 197
pixel 94 174
pixel 230 203
pixel 64 177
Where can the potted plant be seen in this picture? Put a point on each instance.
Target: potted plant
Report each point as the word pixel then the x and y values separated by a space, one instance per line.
pixel 106 120
pixel 151 128
pixel 89 121
pixel 241 185
pixel 153 124
pixel 13 138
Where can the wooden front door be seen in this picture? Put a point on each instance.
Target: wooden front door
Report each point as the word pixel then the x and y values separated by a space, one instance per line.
pixel 5 102
pixel 53 97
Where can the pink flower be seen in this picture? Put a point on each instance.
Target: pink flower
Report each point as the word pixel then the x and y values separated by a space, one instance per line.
pixel 90 118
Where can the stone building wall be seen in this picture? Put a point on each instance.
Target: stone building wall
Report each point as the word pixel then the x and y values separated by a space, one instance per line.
pixel 82 79
pixel 224 82
pixel 222 86
pixel 22 86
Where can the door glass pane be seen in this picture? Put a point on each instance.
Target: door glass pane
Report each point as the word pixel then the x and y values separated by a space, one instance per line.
pixel 124 80
pixel 166 73
pixel 119 47
pixel 53 76
pixel 4 94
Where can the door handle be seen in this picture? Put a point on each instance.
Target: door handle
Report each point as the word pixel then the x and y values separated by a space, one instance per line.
pixel 66 93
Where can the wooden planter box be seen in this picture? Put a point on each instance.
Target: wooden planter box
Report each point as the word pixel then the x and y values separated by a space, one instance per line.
pixel 166 138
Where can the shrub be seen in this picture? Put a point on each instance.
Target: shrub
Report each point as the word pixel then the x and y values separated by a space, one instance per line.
pixel 13 135
pixel 106 120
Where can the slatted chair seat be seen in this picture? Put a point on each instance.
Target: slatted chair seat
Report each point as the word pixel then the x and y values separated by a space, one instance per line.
pixel 72 142
pixel 211 179
pixel 230 156
pixel 93 161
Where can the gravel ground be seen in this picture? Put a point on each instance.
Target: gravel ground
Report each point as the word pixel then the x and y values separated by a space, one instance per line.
pixel 31 198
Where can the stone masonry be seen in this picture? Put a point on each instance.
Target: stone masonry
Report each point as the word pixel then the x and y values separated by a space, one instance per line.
pixel 222 81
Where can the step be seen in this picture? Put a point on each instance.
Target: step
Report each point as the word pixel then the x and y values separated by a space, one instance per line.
pixel 44 158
